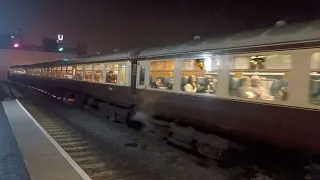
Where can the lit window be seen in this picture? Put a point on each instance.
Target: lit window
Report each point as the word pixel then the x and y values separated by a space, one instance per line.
pixel 69 72
pixel 200 75
pixel 112 73
pixel 88 72
pixel 314 90
pixel 79 72
pixel 122 78
pixel 161 74
pixel 98 70
pixel 64 72
pixel 260 77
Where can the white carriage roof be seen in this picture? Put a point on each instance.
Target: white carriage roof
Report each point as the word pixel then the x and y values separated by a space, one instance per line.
pixel 308 31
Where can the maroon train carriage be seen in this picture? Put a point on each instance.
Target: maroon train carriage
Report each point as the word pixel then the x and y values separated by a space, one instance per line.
pixel 260 85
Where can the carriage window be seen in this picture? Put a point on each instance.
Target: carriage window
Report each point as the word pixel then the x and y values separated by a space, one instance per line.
pixel 314 87
pixel 112 73
pixel 161 74
pixel 64 71
pixel 260 77
pixel 43 71
pixel 200 75
pixel 58 72
pixel 19 71
pixel 122 78
pixel 53 72
pixel 98 70
pixel 79 72
pixel 37 71
pixel 88 72
pixel 142 74
pixel 29 72
pixel 50 72
pixel 69 72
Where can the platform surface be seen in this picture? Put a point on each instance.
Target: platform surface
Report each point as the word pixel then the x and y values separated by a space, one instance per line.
pixel 28 152
pixel 12 166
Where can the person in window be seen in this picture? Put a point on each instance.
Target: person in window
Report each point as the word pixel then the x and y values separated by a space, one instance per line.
pixel 158 84
pixel 210 84
pixel 245 89
pixel 192 85
pixel 258 89
pixel 111 78
pixel 170 84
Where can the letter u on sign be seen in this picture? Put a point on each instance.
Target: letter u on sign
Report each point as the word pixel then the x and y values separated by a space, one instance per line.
pixel 60 37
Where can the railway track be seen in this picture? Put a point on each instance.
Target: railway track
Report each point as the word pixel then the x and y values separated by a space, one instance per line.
pixel 79 148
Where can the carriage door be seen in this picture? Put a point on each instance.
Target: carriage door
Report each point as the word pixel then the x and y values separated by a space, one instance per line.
pixel 142 78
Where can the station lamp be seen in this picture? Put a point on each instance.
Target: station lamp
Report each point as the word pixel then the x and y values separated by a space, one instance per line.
pixel 16 45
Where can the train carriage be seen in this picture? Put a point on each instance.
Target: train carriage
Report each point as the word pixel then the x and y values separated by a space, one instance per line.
pixel 262 85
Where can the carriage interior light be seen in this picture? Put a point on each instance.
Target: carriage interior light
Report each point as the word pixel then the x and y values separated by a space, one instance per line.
pixel 207 63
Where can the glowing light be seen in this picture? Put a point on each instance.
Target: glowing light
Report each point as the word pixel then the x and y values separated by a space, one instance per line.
pixel 207 63
pixel 60 37
pixel 61 49
pixel 16 45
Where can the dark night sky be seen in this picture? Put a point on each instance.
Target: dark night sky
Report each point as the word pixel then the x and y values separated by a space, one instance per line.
pixel 119 24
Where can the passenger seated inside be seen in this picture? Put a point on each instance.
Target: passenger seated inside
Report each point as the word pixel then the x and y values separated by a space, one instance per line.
pixel 158 84
pixel 259 90
pixel 245 89
pixel 192 85
pixel 210 84
pixel 111 77
pixel 170 84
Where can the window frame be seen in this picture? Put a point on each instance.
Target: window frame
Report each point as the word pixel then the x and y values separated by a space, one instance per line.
pixel 201 71
pixel 119 64
pixel 312 70
pixel 148 73
pixel 286 73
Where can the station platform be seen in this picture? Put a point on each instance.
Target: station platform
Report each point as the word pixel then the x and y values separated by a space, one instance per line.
pixel 28 152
